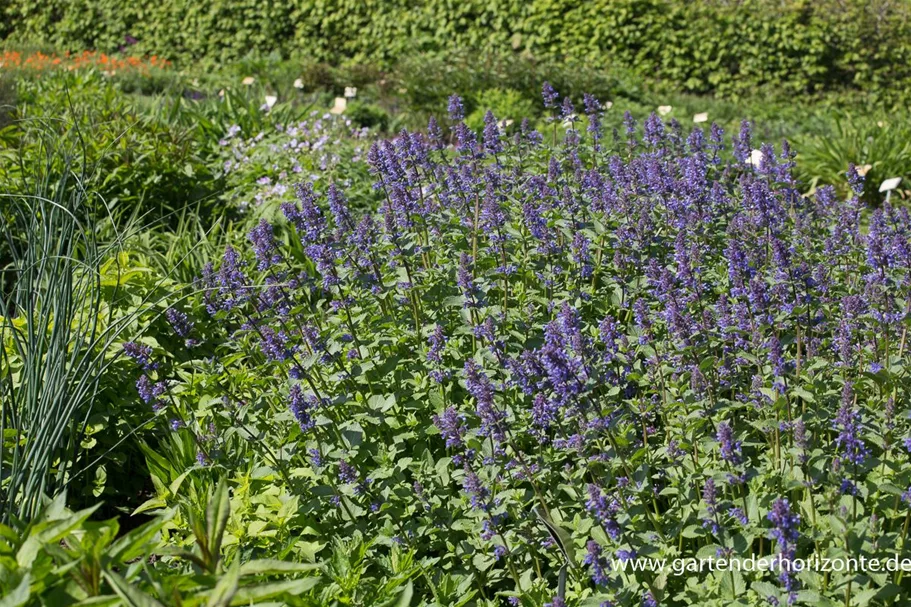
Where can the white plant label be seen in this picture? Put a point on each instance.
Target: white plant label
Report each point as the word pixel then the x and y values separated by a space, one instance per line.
pixel 755 158
pixel 340 105
pixel 890 184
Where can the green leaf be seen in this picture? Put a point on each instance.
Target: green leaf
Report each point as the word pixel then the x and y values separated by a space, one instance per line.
pixel 174 487
pixel 50 533
pixel 217 512
pixel 274 567
pixel 482 562
pixel 764 589
pixel 131 595
pixel 187 556
pixel 247 595
pixel 135 543
pixel 150 504
pixel 563 539
pixel 694 531
pixel 404 598
pixel 226 587
pixel 20 594
pixel 732 583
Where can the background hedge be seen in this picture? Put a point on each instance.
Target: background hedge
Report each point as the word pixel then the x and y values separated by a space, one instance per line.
pixel 729 48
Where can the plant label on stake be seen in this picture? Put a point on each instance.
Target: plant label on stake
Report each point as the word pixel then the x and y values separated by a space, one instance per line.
pixel 888 185
pixel 701 117
pixel 341 104
pixel 755 158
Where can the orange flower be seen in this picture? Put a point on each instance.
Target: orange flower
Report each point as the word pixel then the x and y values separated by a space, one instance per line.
pixel 38 61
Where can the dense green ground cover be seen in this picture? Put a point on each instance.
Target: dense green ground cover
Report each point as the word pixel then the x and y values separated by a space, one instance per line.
pixel 365 399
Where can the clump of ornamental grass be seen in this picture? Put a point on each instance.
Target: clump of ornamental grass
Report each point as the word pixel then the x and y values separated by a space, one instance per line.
pixel 58 323
pixel 648 337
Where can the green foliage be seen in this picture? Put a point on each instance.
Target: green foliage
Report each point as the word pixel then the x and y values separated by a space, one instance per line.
pixel 209 532
pixel 324 368
pixel 732 48
pixel 181 251
pixel 509 104
pixel 139 164
pixel 64 558
pixel 212 117
pixel 424 82
pixel 56 332
pixel 881 146
pixel 7 101
pixel 368 115
pixel 263 162
pixel 71 294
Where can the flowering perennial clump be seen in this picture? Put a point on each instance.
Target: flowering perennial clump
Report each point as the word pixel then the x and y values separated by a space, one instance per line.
pixel 302 151
pixel 110 64
pixel 663 349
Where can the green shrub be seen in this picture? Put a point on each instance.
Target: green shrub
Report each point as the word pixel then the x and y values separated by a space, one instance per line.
pixel 424 82
pixel 788 47
pixel 138 161
pixel 509 104
pixel 368 115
